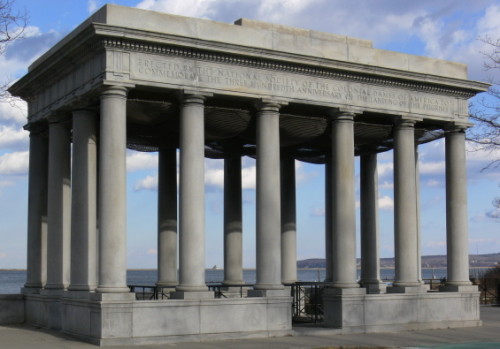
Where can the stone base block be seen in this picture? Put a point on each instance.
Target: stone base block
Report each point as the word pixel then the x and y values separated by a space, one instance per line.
pixel 114 322
pixel 375 287
pixel 391 312
pixel 11 309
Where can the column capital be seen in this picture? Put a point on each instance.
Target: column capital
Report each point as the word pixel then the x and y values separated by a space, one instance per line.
pixel 269 105
pixel 58 118
pixel 457 127
pixel 114 91
pixel 339 115
pixel 405 121
pixel 36 129
pixel 192 96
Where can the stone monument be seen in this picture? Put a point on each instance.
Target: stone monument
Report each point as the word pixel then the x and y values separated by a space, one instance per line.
pixel 149 81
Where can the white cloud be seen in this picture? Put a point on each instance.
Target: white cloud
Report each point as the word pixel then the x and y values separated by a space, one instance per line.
pixel 433 183
pixel 426 168
pixel 13 110
pixel 3 255
pixel 385 168
pixel 11 137
pixel 249 177
pixel 386 203
pixel 386 185
pixel 147 183
pixel 16 163
pixel 191 8
pixel 92 5
pixel 214 177
pixel 152 251
pixel 137 161
pixel 282 10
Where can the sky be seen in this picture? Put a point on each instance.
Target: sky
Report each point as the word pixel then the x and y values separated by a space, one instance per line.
pixel 445 29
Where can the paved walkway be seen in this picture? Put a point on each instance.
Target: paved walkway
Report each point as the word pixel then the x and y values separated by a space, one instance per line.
pixel 487 336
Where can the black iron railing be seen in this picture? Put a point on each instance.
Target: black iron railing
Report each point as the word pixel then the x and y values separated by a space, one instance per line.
pixel 307 304
pixel 151 292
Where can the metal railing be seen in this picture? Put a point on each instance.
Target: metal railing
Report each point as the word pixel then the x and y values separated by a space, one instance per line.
pixel 225 291
pixel 151 292
pixel 307 304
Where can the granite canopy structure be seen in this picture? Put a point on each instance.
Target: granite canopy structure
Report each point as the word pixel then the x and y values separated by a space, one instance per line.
pixel 156 82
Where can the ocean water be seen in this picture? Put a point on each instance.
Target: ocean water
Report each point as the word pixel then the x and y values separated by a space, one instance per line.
pixel 11 281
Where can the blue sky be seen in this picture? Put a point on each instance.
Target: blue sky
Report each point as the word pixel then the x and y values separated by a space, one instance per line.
pixel 446 29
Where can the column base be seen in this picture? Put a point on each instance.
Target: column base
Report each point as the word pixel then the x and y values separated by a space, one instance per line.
pixel 116 296
pixel 192 295
pixel 269 293
pixel 459 288
pixel 105 289
pixel 31 290
pixel 337 291
pixel 334 284
pixel 56 287
pixel 408 289
pixel 233 283
pixel 374 287
pixel 87 288
pixel 167 284
pixel 52 292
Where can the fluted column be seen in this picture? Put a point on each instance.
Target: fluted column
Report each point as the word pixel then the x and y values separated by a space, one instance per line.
pixel 456 211
pixel 192 199
pixel 405 206
pixel 167 217
pixel 36 273
pixel 233 228
pixel 343 209
pixel 268 199
pixel 112 191
pixel 59 207
pixel 84 202
pixel 288 222
pixel 370 262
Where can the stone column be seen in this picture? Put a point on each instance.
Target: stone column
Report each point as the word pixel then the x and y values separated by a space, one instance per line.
pixel 456 213
pixel 233 243
pixel 192 200
pixel 343 205
pixel 36 274
pixel 84 202
pixel 370 262
pixel 268 201
pixel 288 222
pixel 167 217
pixel 59 207
pixel 112 191
pixel 328 218
pixel 419 232
pixel 405 207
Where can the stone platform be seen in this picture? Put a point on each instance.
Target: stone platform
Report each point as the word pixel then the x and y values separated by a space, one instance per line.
pixel 119 319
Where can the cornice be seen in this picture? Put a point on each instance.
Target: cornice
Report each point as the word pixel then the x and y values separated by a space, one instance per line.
pixel 408 81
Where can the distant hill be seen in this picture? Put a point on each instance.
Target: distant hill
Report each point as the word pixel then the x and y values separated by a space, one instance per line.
pixel 433 261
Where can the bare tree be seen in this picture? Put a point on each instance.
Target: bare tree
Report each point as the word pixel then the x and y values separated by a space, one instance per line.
pixel 12 25
pixel 485 112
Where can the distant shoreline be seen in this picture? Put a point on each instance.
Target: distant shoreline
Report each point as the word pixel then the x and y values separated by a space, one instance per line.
pixel 252 269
